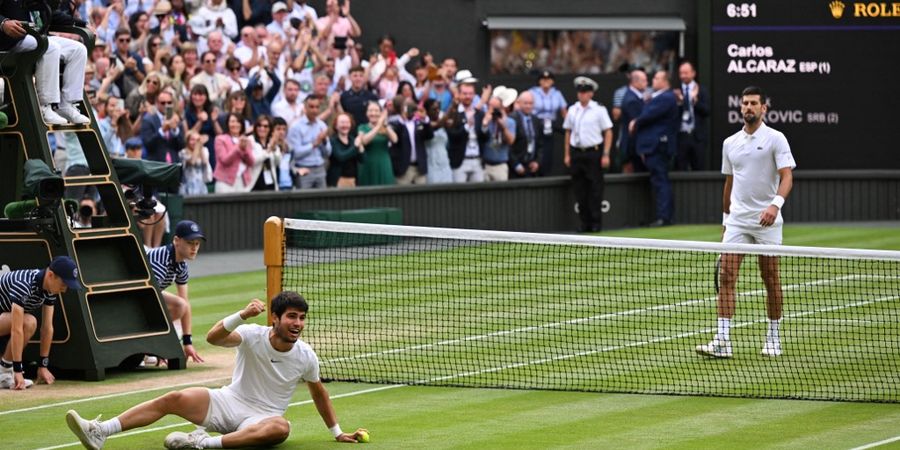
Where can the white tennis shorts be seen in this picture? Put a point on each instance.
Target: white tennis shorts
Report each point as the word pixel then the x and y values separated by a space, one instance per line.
pixel 756 235
pixel 228 414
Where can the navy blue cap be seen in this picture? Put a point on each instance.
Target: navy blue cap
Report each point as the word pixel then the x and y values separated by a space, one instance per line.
pixel 133 142
pixel 65 268
pixel 189 230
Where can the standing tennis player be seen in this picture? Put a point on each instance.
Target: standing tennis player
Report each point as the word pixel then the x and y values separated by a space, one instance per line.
pixel 249 412
pixel 757 164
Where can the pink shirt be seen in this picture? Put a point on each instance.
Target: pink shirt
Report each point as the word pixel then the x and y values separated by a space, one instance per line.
pixel 341 27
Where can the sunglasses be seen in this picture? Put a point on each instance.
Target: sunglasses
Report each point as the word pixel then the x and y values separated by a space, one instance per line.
pixel 152 81
pixel 124 40
pixel 263 125
pixel 234 68
pixel 165 103
pixel 212 61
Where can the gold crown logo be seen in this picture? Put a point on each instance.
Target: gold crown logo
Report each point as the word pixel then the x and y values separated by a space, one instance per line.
pixel 837 8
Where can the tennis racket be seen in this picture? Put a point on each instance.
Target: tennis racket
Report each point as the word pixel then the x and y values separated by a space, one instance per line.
pixel 716 273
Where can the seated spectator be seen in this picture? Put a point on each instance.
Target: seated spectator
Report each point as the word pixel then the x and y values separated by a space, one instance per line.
pixel 196 170
pixel 202 116
pixel 234 156
pixel 47 73
pixel 374 136
pixel 266 156
pixel 345 155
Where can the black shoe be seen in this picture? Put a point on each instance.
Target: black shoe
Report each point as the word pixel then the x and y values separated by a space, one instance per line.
pixel 659 223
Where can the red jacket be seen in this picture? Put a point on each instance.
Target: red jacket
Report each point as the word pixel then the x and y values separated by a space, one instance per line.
pixel 228 159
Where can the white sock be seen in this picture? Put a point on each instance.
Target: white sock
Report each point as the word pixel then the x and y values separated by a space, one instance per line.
pixel 724 328
pixel 177 325
pixel 111 426
pixel 211 442
pixel 773 329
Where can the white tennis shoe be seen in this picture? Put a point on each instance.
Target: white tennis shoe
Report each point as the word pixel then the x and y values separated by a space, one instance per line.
pixel 716 348
pixel 772 347
pixel 69 112
pixel 87 431
pixel 178 440
pixel 8 381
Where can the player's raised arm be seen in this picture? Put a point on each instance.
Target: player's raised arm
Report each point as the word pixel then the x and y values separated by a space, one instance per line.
pixel 222 333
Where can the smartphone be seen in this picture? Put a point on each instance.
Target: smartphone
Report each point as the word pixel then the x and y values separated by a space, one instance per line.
pixel 295 22
pixel 169 112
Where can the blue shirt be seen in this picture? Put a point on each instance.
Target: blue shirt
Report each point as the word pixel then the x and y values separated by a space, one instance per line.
pixel 26 289
pixel 497 150
pixel 547 105
pixel 301 137
pixel 165 268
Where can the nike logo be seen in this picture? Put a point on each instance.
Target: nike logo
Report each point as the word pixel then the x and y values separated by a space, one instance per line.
pixel 272 360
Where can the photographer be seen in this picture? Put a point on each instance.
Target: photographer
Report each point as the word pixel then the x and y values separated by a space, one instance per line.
pixel 86 210
pixel 501 130
pixel 14 18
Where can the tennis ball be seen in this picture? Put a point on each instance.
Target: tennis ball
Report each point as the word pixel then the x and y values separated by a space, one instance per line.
pixel 363 437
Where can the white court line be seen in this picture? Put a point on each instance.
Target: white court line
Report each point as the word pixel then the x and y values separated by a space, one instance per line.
pixel 878 444
pixel 181 424
pixel 582 320
pixel 118 394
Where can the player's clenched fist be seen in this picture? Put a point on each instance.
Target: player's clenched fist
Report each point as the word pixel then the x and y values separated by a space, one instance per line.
pixel 253 309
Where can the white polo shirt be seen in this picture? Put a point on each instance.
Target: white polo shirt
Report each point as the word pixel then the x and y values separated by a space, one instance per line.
pixel 587 124
pixel 754 160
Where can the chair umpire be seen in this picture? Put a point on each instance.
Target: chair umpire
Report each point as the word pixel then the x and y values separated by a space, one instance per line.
pixel 588 142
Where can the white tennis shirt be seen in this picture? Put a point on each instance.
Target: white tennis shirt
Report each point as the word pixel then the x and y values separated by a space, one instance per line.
pixel 265 378
pixel 754 160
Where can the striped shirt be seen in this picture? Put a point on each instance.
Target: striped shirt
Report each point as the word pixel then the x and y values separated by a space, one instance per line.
pixel 165 269
pixel 24 288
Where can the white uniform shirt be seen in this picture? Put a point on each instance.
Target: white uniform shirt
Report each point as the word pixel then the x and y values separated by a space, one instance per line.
pixel 265 378
pixel 753 160
pixel 587 124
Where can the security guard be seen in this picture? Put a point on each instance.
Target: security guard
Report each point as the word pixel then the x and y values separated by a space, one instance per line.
pixel 588 142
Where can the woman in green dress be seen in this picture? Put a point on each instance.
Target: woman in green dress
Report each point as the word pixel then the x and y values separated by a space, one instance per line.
pixel 375 165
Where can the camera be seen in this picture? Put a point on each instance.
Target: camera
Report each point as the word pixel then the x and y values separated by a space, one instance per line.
pixel 143 207
pixel 496 114
pixel 295 22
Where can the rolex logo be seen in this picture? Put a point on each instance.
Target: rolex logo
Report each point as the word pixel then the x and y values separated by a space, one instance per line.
pixel 837 8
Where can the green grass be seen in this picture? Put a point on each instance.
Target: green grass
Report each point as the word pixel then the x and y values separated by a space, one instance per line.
pixel 449 417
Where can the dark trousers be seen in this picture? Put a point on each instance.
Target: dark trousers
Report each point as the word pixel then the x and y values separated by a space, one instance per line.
pixel 546 161
pixel 658 165
pixel 587 181
pixel 691 152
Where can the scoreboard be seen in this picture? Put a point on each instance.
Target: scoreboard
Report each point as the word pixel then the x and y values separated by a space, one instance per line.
pixel 831 69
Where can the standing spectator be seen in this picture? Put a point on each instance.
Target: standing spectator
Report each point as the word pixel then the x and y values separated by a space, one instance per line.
pixel 234 156
pixel 345 154
pixel 549 104
pixel 178 76
pixel 112 128
pixel 693 103
pixel 408 156
pixel 191 59
pixel 217 85
pixel 310 147
pixel 264 84
pixel 436 148
pixel 655 133
pixel 337 23
pixel 449 68
pixel 145 93
pixel 290 108
pixel 267 158
pixel 588 126
pixel 632 105
pixel 161 130
pixel 279 20
pixel 236 103
pixel 525 154
pixel 469 167
pixel 233 72
pixel 356 99
pixel 279 140
pixel 248 51
pixel 202 117
pixel 215 15
pixel 375 136
pixel 251 12
pixel 303 11
pixel 196 169
pixel 501 131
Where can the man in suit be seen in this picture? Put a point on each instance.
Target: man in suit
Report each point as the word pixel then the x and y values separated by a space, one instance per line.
pixel 466 140
pixel 161 130
pixel 408 156
pixel 526 152
pixel 655 132
pixel 693 102
pixel 632 105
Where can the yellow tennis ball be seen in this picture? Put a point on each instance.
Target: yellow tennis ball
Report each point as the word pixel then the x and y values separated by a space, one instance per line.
pixel 363 437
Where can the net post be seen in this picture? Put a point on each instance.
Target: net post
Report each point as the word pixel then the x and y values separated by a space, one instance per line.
pixel 273 257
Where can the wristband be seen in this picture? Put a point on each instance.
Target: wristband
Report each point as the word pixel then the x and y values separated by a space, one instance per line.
pixel 231 322
pixel 17 366
pixel 778 201
pixel 724 217
pixel 45 361
pixel 186 340
pixel 336 430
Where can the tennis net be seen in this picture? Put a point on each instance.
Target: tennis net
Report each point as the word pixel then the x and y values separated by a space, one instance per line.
pixel 451 307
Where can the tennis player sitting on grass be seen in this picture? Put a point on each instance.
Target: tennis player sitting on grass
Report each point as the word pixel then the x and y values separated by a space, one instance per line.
pixel 168 265
pixel 270 363
pixel 757 163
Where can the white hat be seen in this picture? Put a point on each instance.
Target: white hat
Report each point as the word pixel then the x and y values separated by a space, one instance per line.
pixel 278 7
pixel 585 84
pixel 506 95
pixel 465 77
